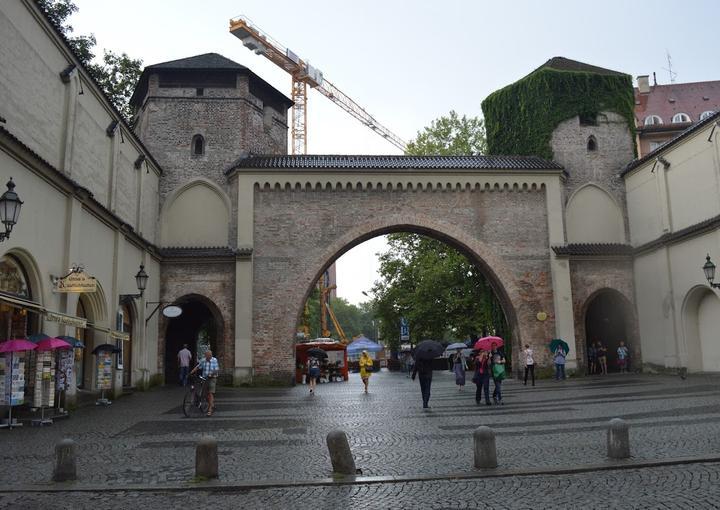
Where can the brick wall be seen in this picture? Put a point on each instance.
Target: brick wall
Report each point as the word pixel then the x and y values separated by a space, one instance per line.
pixel 298 233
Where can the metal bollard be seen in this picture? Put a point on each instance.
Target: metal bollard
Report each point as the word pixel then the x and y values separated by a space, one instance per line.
pixel 65 461
pixel 206 458
pixel 485 452
pixel 618 439
pixel 340 454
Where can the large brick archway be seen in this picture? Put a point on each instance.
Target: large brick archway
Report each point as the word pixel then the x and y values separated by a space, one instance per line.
pixel 299 230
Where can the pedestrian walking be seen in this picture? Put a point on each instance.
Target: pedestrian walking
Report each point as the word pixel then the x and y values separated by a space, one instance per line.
pixel 459 368
pixel 184 357
pixel 423 369
pixel 497 371
pixel 481 377
pixel 559 360
pixel 623 353
pixel 602 356
pixel 313 372
pixel 366 367
pixel 529 364
pixel 592 358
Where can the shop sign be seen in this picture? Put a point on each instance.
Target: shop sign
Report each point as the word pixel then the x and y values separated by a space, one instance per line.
pixel 66 320
pixel 76 282
pixel 119 335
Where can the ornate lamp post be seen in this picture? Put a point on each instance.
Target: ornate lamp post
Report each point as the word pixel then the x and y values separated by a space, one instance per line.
pixel 10 205
pixel 141 279
pixel 709 269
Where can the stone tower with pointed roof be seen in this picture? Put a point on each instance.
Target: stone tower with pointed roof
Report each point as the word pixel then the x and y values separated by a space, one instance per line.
pixel 200 114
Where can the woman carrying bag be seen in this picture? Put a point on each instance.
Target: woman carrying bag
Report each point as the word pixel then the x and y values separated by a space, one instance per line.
pixel 481 377
pixel 497 368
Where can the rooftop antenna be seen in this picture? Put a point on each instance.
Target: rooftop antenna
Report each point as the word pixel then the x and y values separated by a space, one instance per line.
pixel 669 68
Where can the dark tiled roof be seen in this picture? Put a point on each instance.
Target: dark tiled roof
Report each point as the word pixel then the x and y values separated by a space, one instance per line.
pixel 689 131
pixel 204 61
pixel 566 64
pixel 363 162
pixel 594 249
pixel 209 251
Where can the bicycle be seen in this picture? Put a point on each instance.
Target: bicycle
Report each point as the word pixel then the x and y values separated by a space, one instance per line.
pixel 195 402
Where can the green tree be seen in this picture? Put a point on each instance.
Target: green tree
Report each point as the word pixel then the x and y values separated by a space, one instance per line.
pixel 354 320
pixel 450 135
pixel 117 74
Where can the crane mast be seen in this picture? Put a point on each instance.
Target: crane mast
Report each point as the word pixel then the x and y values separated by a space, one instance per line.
pixel 303 74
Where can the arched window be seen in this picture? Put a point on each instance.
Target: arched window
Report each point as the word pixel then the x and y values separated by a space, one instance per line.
pixel 591 144
pixel 705 115
pixel 198 145
pixel 653 120
pixel 680 117
pixel 14 321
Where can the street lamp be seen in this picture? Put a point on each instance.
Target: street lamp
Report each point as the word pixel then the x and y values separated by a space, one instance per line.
pixel 10 205
pixel 709 269
pixel 141 279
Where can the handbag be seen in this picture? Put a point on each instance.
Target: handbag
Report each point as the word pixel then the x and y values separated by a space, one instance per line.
pixel 498 372
pixel 476 377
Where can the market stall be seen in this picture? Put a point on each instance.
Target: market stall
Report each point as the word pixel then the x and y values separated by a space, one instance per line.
pixel 333 369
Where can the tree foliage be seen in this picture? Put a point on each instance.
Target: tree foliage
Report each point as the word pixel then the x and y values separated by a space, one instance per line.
pixel 117 74
pixel 450 135
pixel 442 294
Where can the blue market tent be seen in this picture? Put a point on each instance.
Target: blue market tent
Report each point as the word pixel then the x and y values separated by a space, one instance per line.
pixel 363 343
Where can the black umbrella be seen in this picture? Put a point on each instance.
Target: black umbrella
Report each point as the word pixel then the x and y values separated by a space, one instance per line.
pixel 317 353
pixel 105 348
pixel 428 349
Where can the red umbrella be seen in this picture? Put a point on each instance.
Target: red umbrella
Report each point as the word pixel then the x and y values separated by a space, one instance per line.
pixel 485 343
pixel 17 345
pixel 50 344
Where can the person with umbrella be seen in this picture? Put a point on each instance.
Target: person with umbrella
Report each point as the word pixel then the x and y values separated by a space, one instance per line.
pixel 366 366
pixel 314 356
pixel 559 348
pixel 481 377
pixel 425 352
pixel 458 365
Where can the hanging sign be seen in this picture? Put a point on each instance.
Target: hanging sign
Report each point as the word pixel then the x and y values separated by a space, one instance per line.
pixel 76 282
pixel 119 335
pixel 404 330
pixel 67 320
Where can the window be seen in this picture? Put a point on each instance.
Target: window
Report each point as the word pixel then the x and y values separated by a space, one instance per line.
pixel 680 117
pixel 705 115
pixel 199 92
pixel 653 120
pixel 655 145
pixel 591 144
pixel 15 322
pixel 198 145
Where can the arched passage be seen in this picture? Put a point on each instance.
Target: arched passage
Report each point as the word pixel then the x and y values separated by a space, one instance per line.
pixel 701 323
pixel 472 254
pixel 200 326
pixel 609 319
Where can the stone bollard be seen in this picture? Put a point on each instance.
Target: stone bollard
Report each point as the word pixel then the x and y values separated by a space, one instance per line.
pixel 65 461
pixel 206 458
pixel 485 452
pixel 618 439
pixel 340 454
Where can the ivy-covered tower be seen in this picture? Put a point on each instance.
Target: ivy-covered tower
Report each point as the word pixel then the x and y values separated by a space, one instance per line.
pixel 582 117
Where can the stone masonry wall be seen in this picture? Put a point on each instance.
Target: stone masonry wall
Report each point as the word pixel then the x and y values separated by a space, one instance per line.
pixel 298 233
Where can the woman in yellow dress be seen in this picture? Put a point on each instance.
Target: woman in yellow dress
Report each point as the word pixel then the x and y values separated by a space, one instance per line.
pixel 366 364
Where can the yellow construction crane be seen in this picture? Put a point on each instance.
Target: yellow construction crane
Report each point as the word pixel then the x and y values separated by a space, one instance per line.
pixel 303 74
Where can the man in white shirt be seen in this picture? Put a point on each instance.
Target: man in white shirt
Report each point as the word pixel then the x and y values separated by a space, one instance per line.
pixel 184 359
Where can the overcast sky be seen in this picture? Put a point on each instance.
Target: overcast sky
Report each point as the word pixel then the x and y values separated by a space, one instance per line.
pixel 408 62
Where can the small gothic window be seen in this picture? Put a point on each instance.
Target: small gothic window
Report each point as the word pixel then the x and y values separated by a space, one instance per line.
pixel 199 92
pixel 198 145
pixel 591 144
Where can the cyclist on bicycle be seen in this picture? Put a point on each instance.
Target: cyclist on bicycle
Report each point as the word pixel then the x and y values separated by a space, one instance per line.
pixel 209 369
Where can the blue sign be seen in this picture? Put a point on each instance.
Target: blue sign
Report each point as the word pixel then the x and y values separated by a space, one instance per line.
pixel 404 329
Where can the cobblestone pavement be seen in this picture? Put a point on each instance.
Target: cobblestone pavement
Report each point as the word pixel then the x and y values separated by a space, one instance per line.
pixel 694 486
pixel 279 434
